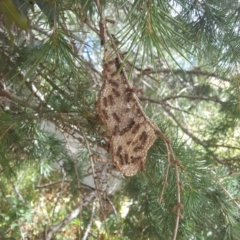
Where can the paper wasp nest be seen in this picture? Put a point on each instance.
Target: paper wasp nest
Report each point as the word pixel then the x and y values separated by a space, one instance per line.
pixel 131 132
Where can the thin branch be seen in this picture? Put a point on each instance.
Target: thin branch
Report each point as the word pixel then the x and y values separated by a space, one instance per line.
pixel 234 174
pixel 51 184
pixel 95 182
pixel 171 156
pixel 193 137
pixel 225 146
pixel 175 162
pixel 90 221
pixel 187 112
pixel 55 86
pixel 114 208
pixel 34 92
pixel 16 190
pixel 4 93
pixel 182 127
pixel 198 97
pixel 70 217
pixel 226 191
pixel 85 20
pixel 165 183
pixel 179 206
pixel 161 101
pixel 176 121
pixel 73 156
pixel 194 71
pixel 165 176
pixel 6 131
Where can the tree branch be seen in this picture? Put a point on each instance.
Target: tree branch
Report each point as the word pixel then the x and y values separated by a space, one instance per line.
pixel 90 221
pixel 70 217
pixel 51 184
pixel 175 162
pixel 185 130
pixel 214 99
pixel 194 71
pixel 4 93
pixel 226 191
pixel 207 146
pixel 193 137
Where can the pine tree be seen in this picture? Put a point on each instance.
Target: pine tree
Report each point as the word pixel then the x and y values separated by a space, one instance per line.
pixel 58 176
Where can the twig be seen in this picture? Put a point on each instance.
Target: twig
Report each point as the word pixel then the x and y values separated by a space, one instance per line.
pixel 179 205
pixel 68 147
pixel 4 93
pixel 6 131
pixel 226 191
pixel 90 222
pixel 71 216
pixel 180 71
pixel 95 182
pixel 166 174
pixel 55 86
pixel 85 20
pixel 161 101
pixel 175 162
pixel 164 184
pixel 114 208
pixel 15 188
pixel 194 138
pixel 182 111
pixel 50 184
pixel 225 146
pixel 232 174
pixel 197 97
